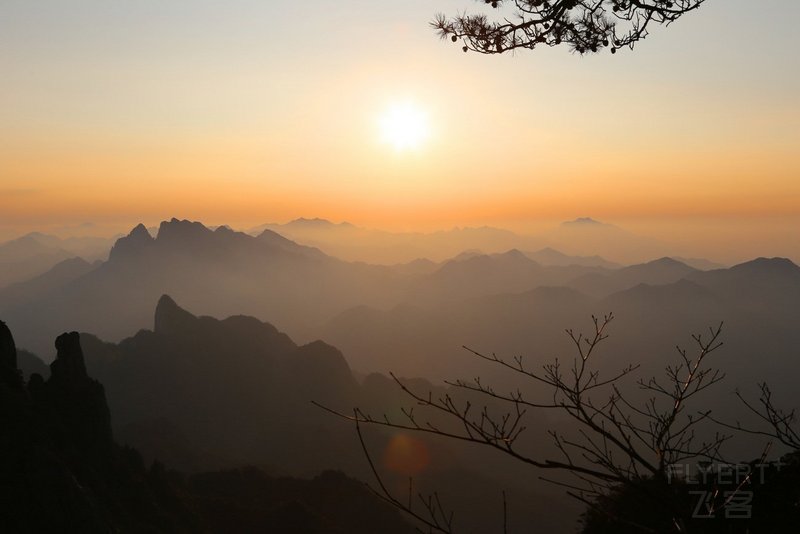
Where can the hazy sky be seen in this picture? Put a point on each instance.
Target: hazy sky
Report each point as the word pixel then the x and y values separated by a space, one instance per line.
pixel 246 111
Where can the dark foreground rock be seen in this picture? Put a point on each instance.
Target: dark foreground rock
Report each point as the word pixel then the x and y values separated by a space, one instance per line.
pixel 61 471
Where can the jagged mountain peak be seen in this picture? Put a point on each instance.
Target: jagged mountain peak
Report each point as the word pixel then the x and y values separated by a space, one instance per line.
pixel 69 366
pixel 170 317
pixel 182 229
pixel 270 236
pixel 140 230
pixel 184 237
pixel 132 244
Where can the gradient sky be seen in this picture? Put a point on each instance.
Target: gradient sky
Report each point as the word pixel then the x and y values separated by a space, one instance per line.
pixel 246 111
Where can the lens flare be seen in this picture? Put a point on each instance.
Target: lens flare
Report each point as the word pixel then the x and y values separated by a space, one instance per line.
pixel 406 455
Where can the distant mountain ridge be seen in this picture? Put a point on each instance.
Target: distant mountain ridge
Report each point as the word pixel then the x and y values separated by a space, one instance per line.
pixel 352 243
pixel 26 257
pixel 295 286
pixel 657 272
pixel 219 270
pixel 656 304
pixel 35 253
pixel 584 221
pixel 551 256
pixel 582 239
pixel 37 287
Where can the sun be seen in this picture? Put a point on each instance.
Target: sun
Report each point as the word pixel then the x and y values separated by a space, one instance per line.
pixel 404 126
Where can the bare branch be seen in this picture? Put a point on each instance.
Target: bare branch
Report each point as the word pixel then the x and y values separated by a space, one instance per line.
pixel 614 441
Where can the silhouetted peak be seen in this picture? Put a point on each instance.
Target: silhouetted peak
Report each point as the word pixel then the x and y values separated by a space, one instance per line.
pixel 583 221
pixel 69 266
pixel 682 291
pixel 170 317
pixel 140 231
pixel 180 230
pixel 701 264
pixel 666 261
pixel 772 266
pixel 467 254
pixel 276 240
pixel 664 264
pixel 132 244
pixel 324 357
pixel 516 255
pixel 8 352
pixel 77 401
pixel 268 236
pixel 69 365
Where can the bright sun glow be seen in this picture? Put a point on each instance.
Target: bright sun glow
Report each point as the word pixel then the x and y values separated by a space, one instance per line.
pixel 404 126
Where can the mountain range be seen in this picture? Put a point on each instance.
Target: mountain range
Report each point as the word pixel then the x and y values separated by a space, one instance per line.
pixel 656 305
pixel 36 253
pixel 296 287
pixel 198 393
pixel 220 271
pixel 581 236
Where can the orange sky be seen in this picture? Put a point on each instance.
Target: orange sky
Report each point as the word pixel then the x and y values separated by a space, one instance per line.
pixel 116 114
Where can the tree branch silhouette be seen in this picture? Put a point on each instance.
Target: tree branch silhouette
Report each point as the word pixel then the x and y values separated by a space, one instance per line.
pixel 616 440
pixel 584 25
pixel 781 424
